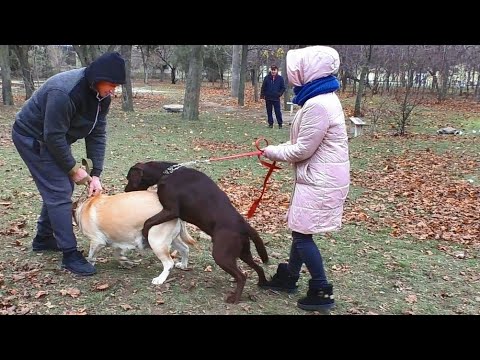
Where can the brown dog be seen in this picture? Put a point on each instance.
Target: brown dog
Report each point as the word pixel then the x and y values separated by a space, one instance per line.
pixel 193 197
pixel 117 221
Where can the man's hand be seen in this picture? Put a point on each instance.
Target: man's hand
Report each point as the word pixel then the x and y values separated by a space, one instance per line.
pixel 95 186
pixel 80 177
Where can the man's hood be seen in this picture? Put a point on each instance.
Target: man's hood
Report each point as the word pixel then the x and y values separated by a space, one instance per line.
pixel 108 67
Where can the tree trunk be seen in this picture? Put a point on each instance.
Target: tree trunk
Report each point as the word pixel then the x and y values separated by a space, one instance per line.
pixel 88 53
pixel 193 83
pixel 361 84
pixel 236 62
pixel 255 84
pixel 343 80
pixel 22 54
pixel 84 54
pixel 127 97
pixel 477 86
pixel 145 63
pixel 286 94
pixel 7 95
pixel 387 84
pixel 243 72
pixel 173 73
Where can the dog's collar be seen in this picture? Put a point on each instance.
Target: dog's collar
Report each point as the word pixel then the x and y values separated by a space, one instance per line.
pixel 172 168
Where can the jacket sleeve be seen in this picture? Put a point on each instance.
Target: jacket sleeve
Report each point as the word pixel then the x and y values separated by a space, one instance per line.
pixel 262 90
pixel 59 111
pixel 313 128
pixel 96 141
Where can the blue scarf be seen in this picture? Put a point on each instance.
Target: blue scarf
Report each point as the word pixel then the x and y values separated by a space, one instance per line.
pixel 313 88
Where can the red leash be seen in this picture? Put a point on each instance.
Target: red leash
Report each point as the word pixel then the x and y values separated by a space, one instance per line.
pixel 271 167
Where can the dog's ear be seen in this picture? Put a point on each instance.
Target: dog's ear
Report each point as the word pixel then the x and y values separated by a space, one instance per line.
pixel 134 177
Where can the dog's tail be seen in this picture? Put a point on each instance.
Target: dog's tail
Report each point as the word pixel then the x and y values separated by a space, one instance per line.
pixel 185 235
pixel 257 240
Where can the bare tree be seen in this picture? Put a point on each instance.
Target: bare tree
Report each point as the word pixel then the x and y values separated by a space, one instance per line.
pixel 193 84
pixel 22 54
pixel 146 51
pixel 407 99
pixel 363 78
pixel 127 99
pixel 236 63
pixel 166 54
pixel 288 88
pixel 7 95
pixel 88 53
pixel 56 57
pixel 243 71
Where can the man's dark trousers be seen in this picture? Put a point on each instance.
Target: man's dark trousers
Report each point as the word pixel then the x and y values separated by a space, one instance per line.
pixel 275 104
pixel 55 187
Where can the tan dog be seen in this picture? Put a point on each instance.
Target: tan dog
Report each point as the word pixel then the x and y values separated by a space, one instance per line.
pixel 117 220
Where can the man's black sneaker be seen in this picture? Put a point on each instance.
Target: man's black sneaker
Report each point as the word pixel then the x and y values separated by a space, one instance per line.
pixel 77 264
pixel 44 244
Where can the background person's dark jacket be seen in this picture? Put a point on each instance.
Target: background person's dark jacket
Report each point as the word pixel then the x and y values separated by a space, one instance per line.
pixel 272 90
pixel 67 108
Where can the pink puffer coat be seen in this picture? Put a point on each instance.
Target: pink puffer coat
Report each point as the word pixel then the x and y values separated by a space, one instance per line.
pixel 318 148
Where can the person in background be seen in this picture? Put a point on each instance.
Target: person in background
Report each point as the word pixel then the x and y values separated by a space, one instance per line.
pixel 318 152
pixel 69 106
pixel 273 87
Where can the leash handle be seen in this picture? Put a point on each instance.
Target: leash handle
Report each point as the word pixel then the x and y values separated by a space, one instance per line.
pixel 258 141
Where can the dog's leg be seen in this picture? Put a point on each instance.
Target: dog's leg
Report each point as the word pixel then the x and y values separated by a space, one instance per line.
pixel 247 257
pixel 161 237
pixel 225 255
pixel 162 217
pixel 183 249
pixel 119 254
pixel 95 247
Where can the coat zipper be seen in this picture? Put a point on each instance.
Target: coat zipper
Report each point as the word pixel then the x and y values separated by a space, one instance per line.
pixel 98 110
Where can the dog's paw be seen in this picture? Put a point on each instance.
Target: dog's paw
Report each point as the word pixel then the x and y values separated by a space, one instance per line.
pixel 179 265
pixel 232 299
pixel 127 264
pixel 158 280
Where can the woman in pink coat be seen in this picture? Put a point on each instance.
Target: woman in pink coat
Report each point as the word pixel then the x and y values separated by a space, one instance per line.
pixel 318 152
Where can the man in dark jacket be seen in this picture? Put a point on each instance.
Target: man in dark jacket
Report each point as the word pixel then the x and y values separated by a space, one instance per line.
pixel 273 87
pixel 69 106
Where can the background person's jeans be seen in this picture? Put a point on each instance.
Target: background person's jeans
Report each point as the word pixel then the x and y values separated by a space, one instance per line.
pixel 275 104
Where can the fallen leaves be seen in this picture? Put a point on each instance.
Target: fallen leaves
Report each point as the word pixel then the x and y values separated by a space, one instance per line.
pixel 82 311
pixel 126 307
pixel 40 294
pixel 73 292
pixel 16 229
pixel 411 298
pixel 101 287
pixel 424 199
